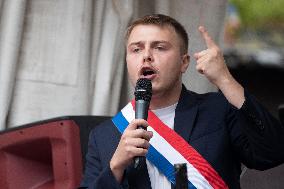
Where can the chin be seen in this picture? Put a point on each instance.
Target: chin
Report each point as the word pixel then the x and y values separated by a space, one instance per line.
pixel 156 92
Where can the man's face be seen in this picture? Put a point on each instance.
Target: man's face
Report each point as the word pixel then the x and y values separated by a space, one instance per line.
pixel 154 52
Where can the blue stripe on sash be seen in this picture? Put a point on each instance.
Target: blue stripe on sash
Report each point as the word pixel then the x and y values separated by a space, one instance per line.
pixel 120 122
pixel 153 155
pixel 164 165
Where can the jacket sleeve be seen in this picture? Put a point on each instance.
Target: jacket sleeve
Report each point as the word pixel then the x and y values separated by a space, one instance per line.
pixel 257 137
pixel 96 176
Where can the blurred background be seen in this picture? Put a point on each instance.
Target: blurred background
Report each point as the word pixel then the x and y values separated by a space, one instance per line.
pixel 254 53
pixel 254 48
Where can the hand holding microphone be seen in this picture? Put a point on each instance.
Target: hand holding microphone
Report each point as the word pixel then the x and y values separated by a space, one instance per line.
pixel 134 142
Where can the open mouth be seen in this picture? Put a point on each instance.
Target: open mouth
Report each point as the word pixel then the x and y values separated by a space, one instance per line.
pixel 147 73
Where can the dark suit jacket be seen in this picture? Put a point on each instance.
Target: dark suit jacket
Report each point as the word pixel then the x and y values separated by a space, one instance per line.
pixel 223 135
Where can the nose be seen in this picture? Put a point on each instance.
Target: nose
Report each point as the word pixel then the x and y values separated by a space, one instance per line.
pixel 147 57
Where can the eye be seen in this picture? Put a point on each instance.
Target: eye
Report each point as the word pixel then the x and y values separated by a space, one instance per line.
pixel 160 48
pixel 135 49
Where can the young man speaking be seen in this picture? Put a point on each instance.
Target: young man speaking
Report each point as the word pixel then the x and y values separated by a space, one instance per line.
pixel 212 133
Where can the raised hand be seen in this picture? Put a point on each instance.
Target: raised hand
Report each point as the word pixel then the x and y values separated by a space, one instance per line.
pixel 133 142
pixel 210 62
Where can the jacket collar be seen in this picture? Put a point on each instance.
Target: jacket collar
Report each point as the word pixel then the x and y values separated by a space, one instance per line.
pixel 185 114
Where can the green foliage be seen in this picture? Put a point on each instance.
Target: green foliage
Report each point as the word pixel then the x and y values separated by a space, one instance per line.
pixel 261 14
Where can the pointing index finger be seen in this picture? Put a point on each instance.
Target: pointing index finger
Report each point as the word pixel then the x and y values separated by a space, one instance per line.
pixel 208 40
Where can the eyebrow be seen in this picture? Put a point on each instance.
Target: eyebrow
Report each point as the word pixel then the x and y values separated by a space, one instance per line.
pixel 161 42
pixel 153 42
pixel 134 43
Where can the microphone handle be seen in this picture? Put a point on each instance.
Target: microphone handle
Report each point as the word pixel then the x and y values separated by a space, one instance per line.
pixel 141 112
pixel 137 161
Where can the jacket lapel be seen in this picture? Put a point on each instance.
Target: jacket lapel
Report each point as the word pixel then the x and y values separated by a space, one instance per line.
pixel 185 114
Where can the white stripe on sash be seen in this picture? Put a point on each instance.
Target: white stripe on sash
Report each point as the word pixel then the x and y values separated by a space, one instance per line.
pixel 170 153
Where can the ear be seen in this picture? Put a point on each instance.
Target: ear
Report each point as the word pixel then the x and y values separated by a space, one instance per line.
pixel 185 63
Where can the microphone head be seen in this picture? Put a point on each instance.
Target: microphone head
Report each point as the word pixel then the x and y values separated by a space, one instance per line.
pixel 143 90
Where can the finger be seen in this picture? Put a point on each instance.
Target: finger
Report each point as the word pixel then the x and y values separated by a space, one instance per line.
pixel 140 133
pixel 137 122
pixel 200 54
pixel 133 151
pixel 136 142
pixel 200 69
pixel 140 151
pixel 201 65
pixel 203 60
pixel 142 143
pixel 208 40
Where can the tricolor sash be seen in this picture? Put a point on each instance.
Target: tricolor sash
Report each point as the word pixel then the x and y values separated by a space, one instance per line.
pixel 168 148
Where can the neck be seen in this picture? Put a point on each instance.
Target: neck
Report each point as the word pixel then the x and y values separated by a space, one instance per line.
pixel 166 98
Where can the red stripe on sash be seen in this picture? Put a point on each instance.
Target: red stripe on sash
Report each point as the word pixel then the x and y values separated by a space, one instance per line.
pixel 186 150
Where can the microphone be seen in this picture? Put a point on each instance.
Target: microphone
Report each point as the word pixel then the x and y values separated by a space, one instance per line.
pixel 143 94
